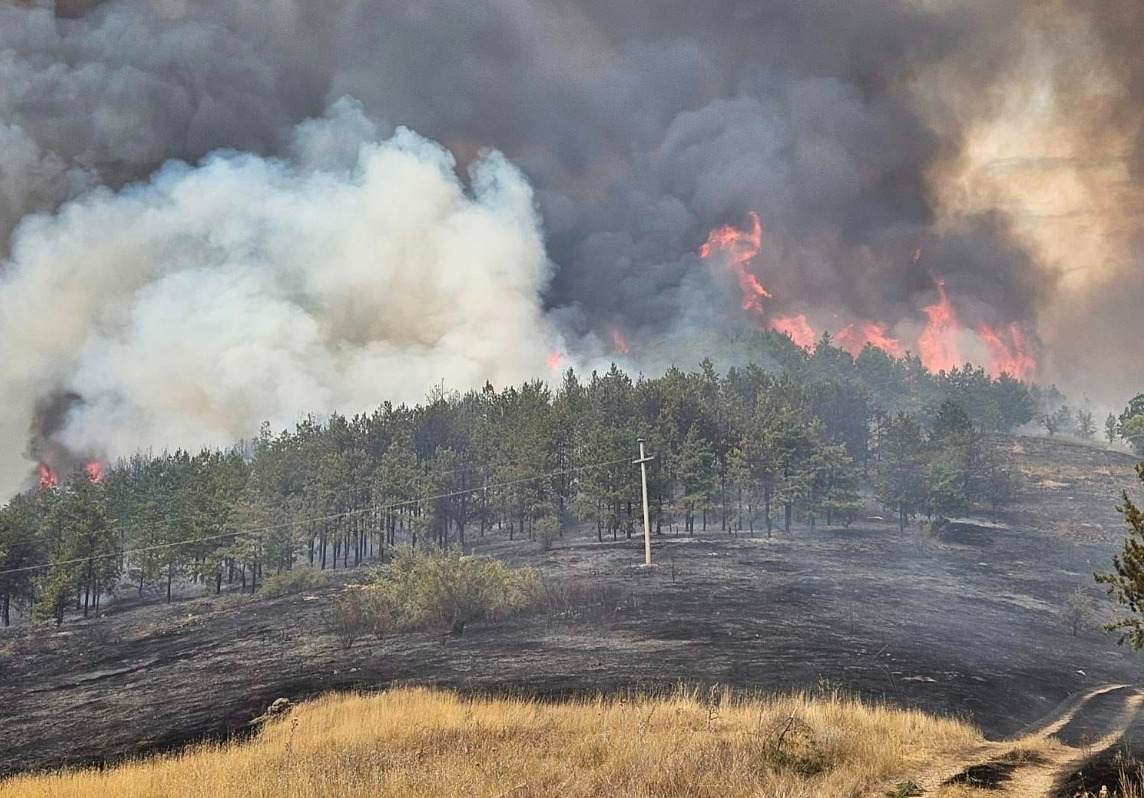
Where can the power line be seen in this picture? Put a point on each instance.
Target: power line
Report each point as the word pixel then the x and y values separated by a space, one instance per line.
pixel 320 519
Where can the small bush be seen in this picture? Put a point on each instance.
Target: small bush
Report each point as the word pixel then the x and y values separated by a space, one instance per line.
pixel 1078 608
pixel 547 530
pixel 351 617
pixel 445 589
pixel 296 580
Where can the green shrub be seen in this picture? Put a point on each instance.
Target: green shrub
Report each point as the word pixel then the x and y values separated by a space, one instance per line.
pixel 547 530
pixel 445 589
pixel 351 617
pixel 296 580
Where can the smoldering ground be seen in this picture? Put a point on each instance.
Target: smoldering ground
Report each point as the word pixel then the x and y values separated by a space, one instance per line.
pixel 850 128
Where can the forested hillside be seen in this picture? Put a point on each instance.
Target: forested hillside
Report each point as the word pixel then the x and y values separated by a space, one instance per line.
pixel 804 440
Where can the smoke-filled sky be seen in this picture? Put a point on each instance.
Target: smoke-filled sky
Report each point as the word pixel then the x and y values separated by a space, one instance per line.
pixel 214 212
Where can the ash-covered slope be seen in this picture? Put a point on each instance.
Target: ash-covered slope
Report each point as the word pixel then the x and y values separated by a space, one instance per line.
pixel 970 621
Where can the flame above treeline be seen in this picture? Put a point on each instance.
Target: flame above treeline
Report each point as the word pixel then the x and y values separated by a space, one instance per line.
pixel 942 344
pixel 48 478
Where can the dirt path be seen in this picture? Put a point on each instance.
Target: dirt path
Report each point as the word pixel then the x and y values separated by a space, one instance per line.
pixel 1041 760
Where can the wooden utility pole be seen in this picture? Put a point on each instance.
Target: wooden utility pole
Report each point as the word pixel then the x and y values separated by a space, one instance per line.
pixel 643 461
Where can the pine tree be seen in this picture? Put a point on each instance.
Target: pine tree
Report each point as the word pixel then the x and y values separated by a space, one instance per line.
pixel 1127 584
pixel 692 464
pixel 1111 428
pixel 898 482
pixel 1132 431
pixel 20 547
pixel 85 563
pixel 1085 424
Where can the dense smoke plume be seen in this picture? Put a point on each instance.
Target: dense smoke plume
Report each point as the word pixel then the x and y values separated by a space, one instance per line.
pixel 901 156
pixel 185 310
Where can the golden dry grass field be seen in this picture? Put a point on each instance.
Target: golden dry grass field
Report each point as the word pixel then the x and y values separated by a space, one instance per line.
pixel 423 743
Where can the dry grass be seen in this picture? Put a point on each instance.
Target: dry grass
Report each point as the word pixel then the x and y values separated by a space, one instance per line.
pixel 420 742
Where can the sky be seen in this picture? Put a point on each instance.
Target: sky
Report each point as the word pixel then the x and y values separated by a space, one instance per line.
pixel 218 212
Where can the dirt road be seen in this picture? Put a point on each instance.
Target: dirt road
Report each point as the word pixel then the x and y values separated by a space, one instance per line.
pixel 1091 741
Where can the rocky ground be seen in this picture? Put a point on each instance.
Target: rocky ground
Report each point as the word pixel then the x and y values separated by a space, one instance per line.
pixel 969 622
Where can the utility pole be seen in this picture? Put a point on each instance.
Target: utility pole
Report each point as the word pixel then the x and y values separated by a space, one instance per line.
pixel 643 461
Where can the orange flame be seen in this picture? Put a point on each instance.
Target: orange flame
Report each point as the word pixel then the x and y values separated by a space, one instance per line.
pixel 936 346
pixel 853 338
pixel 797 328
pixel 739 248
pixel 95 471
pixel 619 343
pixel 554 359
pixel 48 477
pixel 1010 356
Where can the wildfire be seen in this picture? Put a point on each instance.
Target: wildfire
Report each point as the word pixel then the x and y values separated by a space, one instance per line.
pixel 797 328
pixel 739 248
pixel 936 346
pixel 48 477
pixel 619 343
pixel 95 471
pixel 854 337
pixel 1008 351
pixel 554 359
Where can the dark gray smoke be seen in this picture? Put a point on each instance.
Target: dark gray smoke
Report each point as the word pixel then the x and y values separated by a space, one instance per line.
pixel 640 125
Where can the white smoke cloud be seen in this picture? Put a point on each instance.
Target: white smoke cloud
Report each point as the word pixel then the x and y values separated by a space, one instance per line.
pixel 188 309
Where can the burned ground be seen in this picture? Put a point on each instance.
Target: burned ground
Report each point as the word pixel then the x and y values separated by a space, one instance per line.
pixel 970 622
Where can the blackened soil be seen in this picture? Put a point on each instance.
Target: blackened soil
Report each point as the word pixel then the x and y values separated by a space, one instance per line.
pixel 972 626
pixel 994 774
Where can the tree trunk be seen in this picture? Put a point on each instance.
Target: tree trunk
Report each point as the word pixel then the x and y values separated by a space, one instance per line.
pixel 788 509
pixel 722 501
